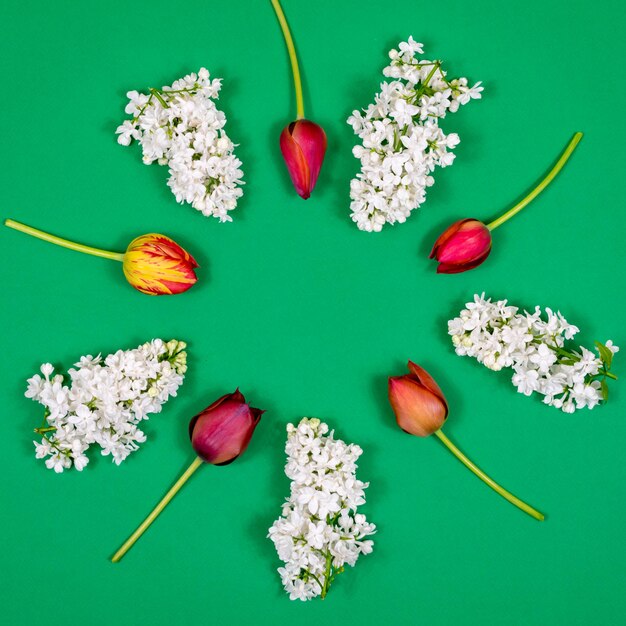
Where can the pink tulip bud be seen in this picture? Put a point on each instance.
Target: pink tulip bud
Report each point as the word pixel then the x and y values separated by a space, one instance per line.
pixel 418 402
pixel 222 432
pixel 303 144
pixel 462 246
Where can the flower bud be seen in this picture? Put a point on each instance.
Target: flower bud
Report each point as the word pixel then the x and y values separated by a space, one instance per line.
pixel 303 144
pixel 418 402
pixel 462 246
pixel 223 430
pixel 157 265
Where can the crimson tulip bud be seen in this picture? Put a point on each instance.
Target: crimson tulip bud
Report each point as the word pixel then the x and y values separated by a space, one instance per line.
pixel 219 434
pixel 222 432
pixel 462 246
pixel 418 402
pixel 303 144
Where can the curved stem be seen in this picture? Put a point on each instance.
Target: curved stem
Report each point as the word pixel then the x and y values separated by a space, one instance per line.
pixel 492 483
pixel 292 57
pixel 541 186
pixel 128 544
pixel 40 234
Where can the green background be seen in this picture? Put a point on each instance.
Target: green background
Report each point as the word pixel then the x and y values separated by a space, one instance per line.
pixel 308 315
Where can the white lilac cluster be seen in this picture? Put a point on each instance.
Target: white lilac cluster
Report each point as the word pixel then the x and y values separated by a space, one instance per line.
pixel 180 126
pixel 319 531
pixel 104 402
pixel 499 336
pixel 402 142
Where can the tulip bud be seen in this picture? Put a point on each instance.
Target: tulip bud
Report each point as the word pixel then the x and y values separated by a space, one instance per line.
pixel 303 144
pixel 418 402
pixel 421 409
pixel 157 265
pixel 222 432
pixel 462 246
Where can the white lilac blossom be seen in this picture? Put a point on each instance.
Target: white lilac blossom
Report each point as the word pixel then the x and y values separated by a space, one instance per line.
pixel 104 402
pixel 498 336
pixel 180 126
pixel 402 142
pixel 319 531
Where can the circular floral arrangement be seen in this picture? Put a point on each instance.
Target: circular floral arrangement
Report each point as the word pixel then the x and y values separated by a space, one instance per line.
pixel 103 401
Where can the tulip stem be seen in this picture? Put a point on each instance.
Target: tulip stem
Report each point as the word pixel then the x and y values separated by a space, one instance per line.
pixel 128 544
pixel 494 485
pixel 297 83
pixel 40 234
pixel 541 186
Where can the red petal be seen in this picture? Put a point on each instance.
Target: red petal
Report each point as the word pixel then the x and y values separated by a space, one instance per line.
pixel 453 268
pixel 428 381
pixel 445 235
pixel 312 141
pixel 296 163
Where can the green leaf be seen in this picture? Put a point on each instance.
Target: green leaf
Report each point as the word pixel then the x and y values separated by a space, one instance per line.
pixel 605 354
pixel 605 390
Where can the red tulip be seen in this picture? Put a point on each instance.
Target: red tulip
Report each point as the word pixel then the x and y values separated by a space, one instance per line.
pixel 467 243
pixel 303 144
pixel 222 432
pixel 219 434
pixel 418 402
pixel 462 246
pixel 421 409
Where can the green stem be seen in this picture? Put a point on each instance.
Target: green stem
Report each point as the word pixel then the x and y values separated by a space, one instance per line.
pixel 128 544
pixel 494 485
pixel 329 560
pixel 424 85
pixel 541 186
pixel 297 83
pixel 156 93
pixel 40 234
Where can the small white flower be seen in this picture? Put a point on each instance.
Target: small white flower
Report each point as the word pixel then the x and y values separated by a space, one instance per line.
pixel 498 336
pixel 319 530
pixel 104 402
pixel 402 143
pixel 180 126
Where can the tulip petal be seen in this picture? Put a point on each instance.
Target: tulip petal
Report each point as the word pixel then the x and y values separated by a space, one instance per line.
pixel 418 410
pixel 312 141
pixel 296 163
pixel 452 268
pixel 445 235
pixel 465 245
pixel 428 381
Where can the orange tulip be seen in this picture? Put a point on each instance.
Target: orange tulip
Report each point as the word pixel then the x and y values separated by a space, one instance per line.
pixel 421 409
pixel 418 402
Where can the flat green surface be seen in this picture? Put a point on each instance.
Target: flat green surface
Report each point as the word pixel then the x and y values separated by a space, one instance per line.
pixel 308 315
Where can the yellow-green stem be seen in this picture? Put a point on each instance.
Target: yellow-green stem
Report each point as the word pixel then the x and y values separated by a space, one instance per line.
pixel 297 83
pixel 541 186
pixel 492 483
pixel 128 544
pixel 40 234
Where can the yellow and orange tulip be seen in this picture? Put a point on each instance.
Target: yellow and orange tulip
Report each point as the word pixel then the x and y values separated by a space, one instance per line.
pixel 153 263
pixel 157 265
